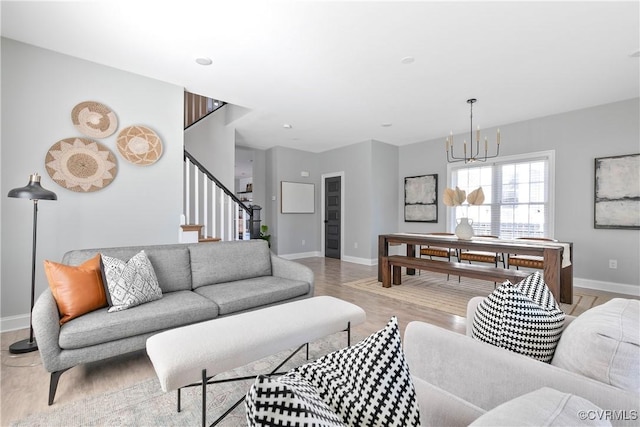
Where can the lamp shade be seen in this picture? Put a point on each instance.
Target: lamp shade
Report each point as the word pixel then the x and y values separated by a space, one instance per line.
pixel 33 190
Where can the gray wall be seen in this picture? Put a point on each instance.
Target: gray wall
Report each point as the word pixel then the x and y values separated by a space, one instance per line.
pixel 289 230
pixel 141 206
pixel 385 197
pixel 577 137
pixel 355 161
pixel 370 173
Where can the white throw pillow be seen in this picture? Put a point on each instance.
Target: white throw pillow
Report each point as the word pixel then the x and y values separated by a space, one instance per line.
pixel 367 384
pixel 603 343
pixel 523 318
pixel 130 283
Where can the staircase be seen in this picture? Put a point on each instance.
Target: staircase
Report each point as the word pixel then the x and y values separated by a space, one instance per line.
pixel 211 211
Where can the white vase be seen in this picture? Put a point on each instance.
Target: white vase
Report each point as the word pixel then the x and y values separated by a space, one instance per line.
pixel 464 230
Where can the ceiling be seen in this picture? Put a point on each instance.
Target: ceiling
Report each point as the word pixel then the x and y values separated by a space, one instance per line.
pixel 345 72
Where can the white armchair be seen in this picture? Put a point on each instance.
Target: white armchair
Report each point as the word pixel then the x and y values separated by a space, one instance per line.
pixel 458 378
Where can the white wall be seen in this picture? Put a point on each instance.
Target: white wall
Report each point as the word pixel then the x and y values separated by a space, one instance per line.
pixel 141 206
pixel 578 137
pixel 212 142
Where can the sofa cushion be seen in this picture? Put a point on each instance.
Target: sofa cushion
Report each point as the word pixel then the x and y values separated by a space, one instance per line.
pixel 172 310
pixel 523 318
pixel 287 401
pixel 368 383
pixel 544 407
pixel 76 289
pixel 247 294
pixel 170 262
pixel 603 343
pixel 130 283
pixel 222 262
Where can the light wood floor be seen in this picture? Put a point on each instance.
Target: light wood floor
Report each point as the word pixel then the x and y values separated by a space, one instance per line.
pixel 24 383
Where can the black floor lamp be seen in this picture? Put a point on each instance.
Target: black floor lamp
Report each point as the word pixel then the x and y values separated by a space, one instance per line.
pixel 35 192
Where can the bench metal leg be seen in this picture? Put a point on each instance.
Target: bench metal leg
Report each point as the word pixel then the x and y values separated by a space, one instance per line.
pixel 208 380
pixel 204 398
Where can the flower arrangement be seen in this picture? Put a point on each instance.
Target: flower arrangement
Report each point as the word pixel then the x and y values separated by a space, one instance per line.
pixel 457 197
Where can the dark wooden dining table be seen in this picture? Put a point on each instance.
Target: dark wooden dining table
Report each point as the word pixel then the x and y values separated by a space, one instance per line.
pixel 557 256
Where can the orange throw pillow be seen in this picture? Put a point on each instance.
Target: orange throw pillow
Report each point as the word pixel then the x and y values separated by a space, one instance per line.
pixel 76 289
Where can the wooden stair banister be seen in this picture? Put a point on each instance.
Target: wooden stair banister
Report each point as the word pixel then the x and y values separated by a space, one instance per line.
pixel 210 202
pixel 206 199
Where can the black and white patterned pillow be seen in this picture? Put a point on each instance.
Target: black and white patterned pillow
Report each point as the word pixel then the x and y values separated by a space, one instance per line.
pixel 367 384
pixel 287 401
pixel 130 283
pixel 524 318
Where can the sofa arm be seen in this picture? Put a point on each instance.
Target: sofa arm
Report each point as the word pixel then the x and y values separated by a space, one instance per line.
pixel 440 408
pixel 46 327
pixel 288 269
pixel 487 376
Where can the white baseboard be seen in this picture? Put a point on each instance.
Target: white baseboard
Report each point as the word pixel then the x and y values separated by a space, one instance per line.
pixel 362 261
pixel 618 288
pixel 301 255
pixel 355 260
pixel 13 323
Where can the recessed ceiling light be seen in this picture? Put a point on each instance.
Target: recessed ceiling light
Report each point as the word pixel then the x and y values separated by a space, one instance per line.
pixel 204 61
pixel 287 126
pixel 408 60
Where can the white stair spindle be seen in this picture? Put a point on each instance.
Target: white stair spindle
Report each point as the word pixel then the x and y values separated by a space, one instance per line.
pixel 205 204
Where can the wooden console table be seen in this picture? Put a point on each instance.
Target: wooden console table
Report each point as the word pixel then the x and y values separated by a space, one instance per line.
pixel 558 271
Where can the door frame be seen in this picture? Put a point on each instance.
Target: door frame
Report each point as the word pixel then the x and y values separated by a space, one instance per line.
pixel 323 177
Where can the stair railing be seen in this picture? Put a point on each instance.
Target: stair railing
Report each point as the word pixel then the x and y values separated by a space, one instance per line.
pixel 210 203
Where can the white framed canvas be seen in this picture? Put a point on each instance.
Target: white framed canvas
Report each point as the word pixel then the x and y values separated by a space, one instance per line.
pixel 297 197
pixel 617 192
pixel 421 198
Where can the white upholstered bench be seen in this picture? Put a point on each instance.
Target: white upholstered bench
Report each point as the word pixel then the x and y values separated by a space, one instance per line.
pixel 193 354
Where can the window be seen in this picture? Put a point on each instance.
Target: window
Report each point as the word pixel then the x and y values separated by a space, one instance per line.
pixel 518 195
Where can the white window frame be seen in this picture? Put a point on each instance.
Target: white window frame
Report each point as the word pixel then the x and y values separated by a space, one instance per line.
pixel 549 155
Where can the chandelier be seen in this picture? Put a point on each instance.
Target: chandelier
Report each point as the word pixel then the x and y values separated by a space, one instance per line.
pixel 471 153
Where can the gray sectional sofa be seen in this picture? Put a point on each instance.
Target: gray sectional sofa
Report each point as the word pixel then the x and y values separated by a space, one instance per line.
pixel 199 282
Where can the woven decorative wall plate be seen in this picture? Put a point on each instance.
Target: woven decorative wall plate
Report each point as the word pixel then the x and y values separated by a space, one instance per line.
pixel 139 145
pixel 81 164
pixel 94 119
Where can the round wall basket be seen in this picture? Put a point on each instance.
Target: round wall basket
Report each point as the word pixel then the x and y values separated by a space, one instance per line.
pixel 94 119
pixel 139 145
pixel 81 164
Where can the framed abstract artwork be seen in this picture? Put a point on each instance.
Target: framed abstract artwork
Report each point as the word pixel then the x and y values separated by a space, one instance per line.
pixel 421 198
pixel 617 192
